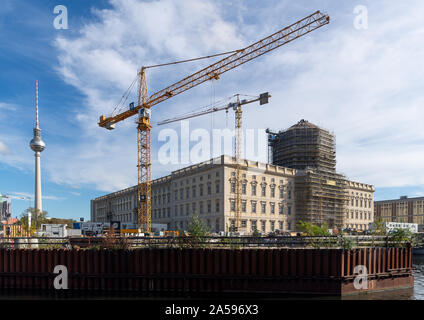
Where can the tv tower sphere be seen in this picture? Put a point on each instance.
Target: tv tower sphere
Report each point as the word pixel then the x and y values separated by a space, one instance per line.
pixel 37 144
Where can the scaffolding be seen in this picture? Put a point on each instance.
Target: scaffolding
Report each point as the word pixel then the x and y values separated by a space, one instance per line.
pixel 303 145
pixel 321 197
pixel 320 193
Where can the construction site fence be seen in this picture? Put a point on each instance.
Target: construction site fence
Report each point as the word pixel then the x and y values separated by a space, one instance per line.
pixel 119 242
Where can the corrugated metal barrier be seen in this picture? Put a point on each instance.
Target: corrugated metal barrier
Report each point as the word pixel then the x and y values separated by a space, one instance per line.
pixel 328 271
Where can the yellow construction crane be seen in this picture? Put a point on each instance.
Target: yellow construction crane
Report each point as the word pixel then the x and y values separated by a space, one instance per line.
pixel 231 61
pixel 236 106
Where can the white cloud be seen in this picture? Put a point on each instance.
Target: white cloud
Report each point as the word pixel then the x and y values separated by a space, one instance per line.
pixel 26 196
pixel 4 149
pixel 364 85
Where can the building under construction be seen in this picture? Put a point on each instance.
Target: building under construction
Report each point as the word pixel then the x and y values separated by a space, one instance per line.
pixel 321 194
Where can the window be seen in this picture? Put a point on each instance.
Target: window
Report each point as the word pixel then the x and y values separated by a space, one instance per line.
pixel 289 194
pixel 181 210
pixel 193 191
pixel 281 193
pixel 263 192
pixel 193 207
pixel 176 195
pixel 232 205
pixel 217 187
pixel 187 193
pixel 209 189
pixel 289 225
pixel 243 223
pixel 217 174
pixel 272 192
pixel 201 207
pixel 280 225
pixel 243 188
pixel 253 206
pixel 243 206
pixel 201 190
pixel 263 225
pixel 280 208
pixel 272 225
pixel 187 209
pixel 217 225
pixel 217 206
pixel 253 224
pixel 209 206
pixel 272 205
pixel 263 207
pixel 233 187
pixel 181 194
pixel 289 210
pixel 253 190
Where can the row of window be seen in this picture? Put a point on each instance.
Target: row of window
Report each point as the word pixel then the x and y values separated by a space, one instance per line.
pixel 357 226
pixel 179 194
pixel 183 225
pixel 262 224
pixel 263 190
pixel 263 206
pixel 360 202
pixel 187 209
pixel 359 215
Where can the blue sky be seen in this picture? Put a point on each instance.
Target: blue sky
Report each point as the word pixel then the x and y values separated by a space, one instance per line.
pixel 363 85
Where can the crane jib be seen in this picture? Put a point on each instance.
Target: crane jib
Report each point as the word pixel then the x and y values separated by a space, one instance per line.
pixel 279 38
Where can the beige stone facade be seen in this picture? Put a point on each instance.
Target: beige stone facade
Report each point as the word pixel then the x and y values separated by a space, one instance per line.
pixel 360 207
pixel 207 190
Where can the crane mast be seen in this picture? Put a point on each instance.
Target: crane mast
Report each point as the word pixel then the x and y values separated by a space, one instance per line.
pixel 279 38
pixel 237 107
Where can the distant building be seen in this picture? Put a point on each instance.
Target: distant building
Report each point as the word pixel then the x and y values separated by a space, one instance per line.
pixel 404 209
pixel 53 230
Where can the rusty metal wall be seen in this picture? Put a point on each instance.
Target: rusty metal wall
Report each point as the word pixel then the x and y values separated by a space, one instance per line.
pixel 201 270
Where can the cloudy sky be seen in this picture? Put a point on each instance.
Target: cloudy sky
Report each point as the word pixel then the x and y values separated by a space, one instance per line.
pixel 360 77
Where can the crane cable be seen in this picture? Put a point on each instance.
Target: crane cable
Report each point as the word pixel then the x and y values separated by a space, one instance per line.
pixel 126 94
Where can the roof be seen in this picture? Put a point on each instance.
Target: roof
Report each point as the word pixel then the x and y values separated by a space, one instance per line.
pixel 10 221
pixel 304 124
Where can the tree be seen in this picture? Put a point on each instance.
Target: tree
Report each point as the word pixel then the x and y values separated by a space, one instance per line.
pixel 197 232
pixel 379 227
pixel 401 237
pixel 197 228
pixel 313 230
pixel 37 218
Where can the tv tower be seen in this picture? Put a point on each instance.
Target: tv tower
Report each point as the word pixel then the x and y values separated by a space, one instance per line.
pixel 37 145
